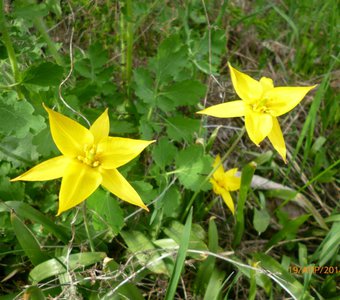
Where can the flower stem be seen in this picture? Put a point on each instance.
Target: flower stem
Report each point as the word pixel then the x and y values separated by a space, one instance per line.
pixel 41 27
pixel 9 47
pixel 206 179
pixel 87 228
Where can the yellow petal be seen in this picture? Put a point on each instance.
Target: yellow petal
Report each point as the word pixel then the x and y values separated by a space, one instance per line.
pixel 47 170
pixel 228 200
pixel 118 185
pixel 258 125
pixel 232 182
pixel 219 173
pixel 101 127
pixel 276 138
pixel 247 88
pixel 225 110
pixel 79 182
pixel 267 83
pixel 283 99
pixel 114 152
pixel 68 135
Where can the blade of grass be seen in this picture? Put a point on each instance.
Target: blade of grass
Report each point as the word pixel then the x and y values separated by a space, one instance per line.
pixel 308 128
pixel 246 177
pixel 179 264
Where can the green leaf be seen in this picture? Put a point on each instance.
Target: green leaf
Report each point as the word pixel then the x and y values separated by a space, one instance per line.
pixel 25 211
pixel 107 211
pixel 17 117
pixel 44 143
pixel 261 220
pixel 182 128
pixel 27 241
pixel 145 251
pixel 192 166
pixel 206 269
pixel 30 11
pixel 286 280
pixel 180 259
pixel 288 231
pixel 62 264
pixel 98 56
pixel 164 152
pixel 246 177
pixel 144 86
pixel 175 230
pixel 329 246
pixel 215 285
pixel 188 92
pixel 171 58
pixel 171 202
pixel 34 293
pixel 44 74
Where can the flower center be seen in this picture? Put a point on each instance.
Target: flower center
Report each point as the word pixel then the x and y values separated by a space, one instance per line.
pixel 261 107
pixel 89 156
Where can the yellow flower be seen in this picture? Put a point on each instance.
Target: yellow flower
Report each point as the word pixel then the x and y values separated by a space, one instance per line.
pixel 90 157
pixel 225 182
pixel 260 105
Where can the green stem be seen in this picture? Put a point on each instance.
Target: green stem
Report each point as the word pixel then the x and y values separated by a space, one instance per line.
pixel 41 27
pixel 87 228
pixel 9 47
pixel 129 44
pixel 206 179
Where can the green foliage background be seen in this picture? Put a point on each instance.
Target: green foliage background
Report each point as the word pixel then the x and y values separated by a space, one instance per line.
pixel 154 64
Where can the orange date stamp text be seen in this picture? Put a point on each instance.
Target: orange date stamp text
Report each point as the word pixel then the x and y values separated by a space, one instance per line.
pixel 312 269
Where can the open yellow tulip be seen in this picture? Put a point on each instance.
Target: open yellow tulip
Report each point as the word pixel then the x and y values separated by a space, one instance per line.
pixel 261 104
pixel 225 182
pixel 90 157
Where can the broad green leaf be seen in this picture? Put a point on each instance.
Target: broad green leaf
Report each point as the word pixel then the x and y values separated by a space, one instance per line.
pixel 44 143
pixel 182 128
pixel 175 230
pixel 180 259
pixel 145 251
pixel 261 220
pixel 106 211
pixel 145 190
pixel 43 74
pixel 164 152
pixel 144 88
pixel 171 202
pixel 192 167
pixel 215 285
pixel 98 55
pixel 58 265
pixel 34 293
pixel 25 211
pixel 27 241
pixel 171 58
pixel 17 117
pixel 188 92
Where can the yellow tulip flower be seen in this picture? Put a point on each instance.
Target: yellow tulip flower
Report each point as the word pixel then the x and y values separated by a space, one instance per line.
pixel 261 104
pixel 225 182
pixel 90 157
